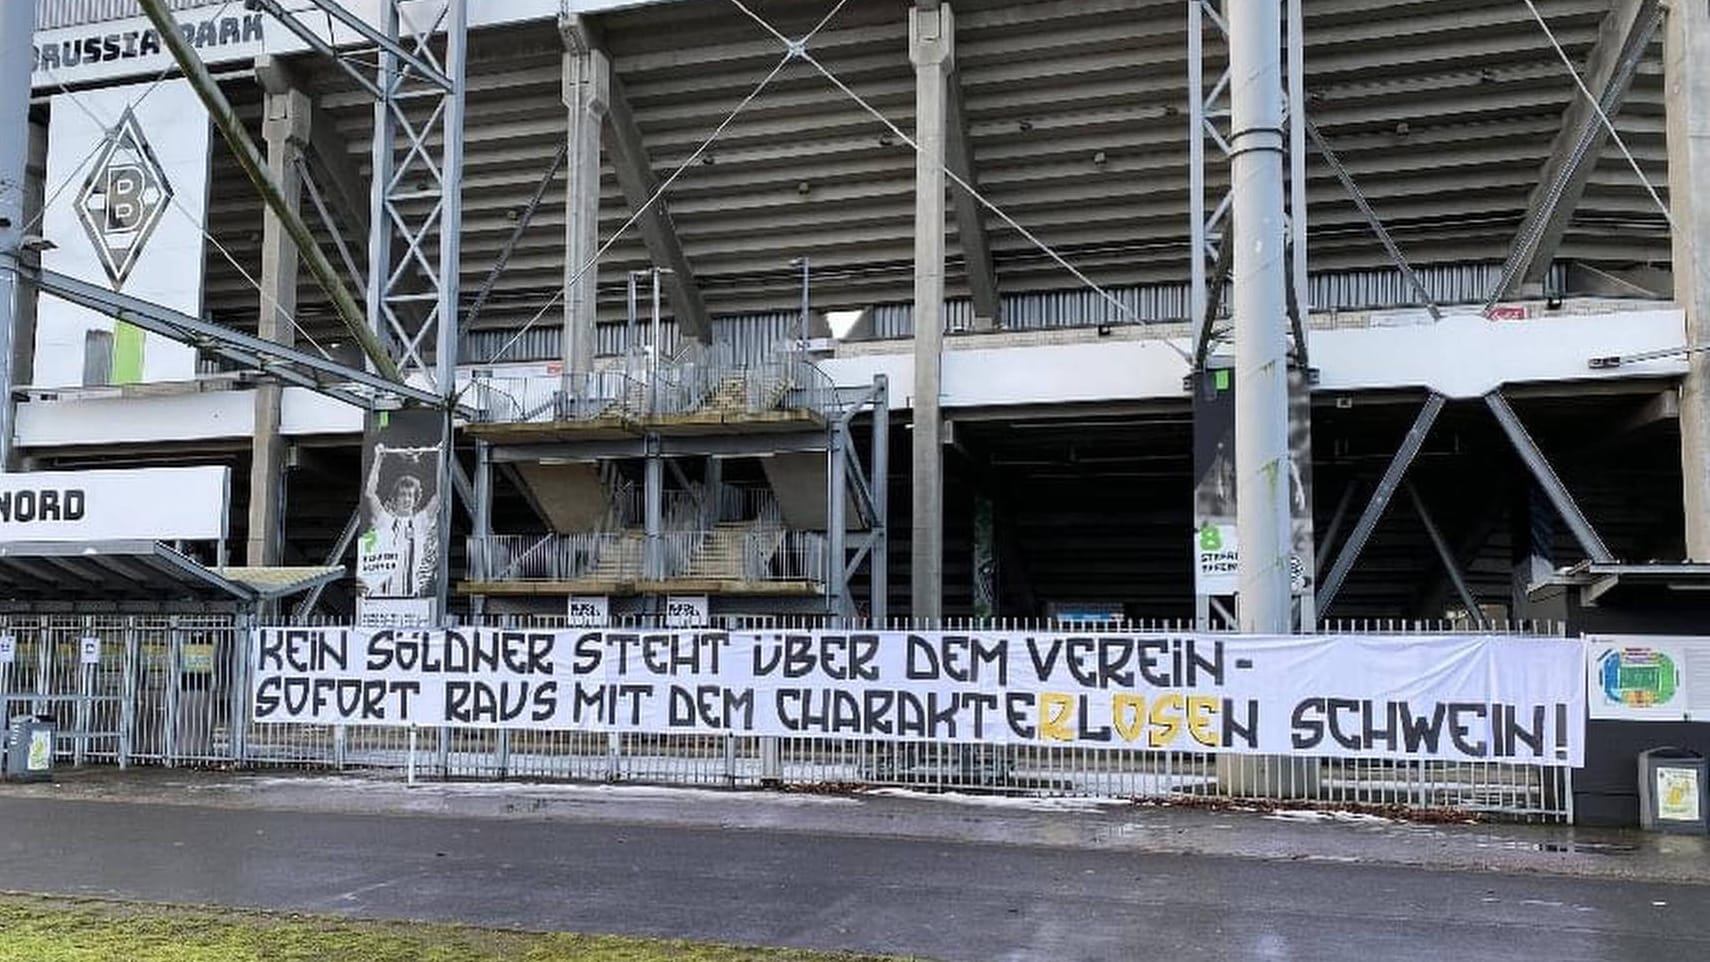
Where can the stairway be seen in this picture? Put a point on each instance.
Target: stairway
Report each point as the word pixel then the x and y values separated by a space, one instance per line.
pixel 721 554
pixel 620 557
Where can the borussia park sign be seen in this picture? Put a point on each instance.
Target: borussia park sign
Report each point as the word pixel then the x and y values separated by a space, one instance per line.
pixel 1456 698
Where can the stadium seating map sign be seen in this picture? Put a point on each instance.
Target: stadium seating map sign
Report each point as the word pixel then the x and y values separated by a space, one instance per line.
pixel 1648 678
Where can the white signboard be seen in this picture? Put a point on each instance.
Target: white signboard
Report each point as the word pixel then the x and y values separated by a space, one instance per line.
pixel 397 612
pixel 225 32
pixel 1458 698
pixel 89 650
pixel 1648 677
pixel 686 611
pixel 588 611
pixel 130 165
pixel 8 649
pixel 1216 556
pixel 141 504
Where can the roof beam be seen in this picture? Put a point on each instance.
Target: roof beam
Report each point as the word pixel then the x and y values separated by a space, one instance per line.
pixel 628 153
pixel 970 215
pixel 1622 39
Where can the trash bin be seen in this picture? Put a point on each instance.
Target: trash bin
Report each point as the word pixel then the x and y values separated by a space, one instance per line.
pixel 29 747
pixel 1672 783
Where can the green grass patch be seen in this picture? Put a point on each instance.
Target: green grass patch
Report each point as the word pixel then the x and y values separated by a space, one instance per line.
pixel 76 930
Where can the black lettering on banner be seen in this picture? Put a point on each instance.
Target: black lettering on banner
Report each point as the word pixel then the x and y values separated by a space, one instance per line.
pixel 589 650
pixel 613 705
pixel 304 650
pixel 351 699
pixel 963 658
pixel 712 707
pixel 1336 709
pixel 1018 707
pixel 1460 729
pixel 1306 724
pixel 1235 728
pixel 1421 731
pixel 478 702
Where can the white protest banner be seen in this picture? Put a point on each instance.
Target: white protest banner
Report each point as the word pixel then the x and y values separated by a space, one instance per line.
pixel 1403 697
pixel 137 504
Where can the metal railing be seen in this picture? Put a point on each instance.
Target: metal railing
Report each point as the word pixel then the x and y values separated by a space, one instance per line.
pixel 175 691
pixel 770 554
pixel 614 556
pixel 528 399
pixel 700 379
pixel 761 552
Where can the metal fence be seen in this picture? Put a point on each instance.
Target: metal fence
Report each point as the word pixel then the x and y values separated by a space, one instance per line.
pixel 158 690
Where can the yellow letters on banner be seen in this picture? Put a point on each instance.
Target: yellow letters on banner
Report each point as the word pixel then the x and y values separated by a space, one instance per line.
pixel 1166 719
pixel 1056 716
pixel 1201 709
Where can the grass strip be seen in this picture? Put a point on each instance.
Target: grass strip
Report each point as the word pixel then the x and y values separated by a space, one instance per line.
pixel 45 929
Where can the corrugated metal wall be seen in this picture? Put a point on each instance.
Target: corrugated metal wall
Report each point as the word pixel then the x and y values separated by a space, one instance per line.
pixel 72 13
pixel 751 336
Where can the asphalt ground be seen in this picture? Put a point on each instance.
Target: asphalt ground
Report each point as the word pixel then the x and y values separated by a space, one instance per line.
pixel 954 878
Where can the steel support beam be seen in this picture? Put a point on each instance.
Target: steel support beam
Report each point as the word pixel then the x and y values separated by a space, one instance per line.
pixel 1451 564
pixel 931 49
pixel 1622 40
pixel 1392 477
pixel 837 528
pixel 353 386
pixel 386 40
pixel 1547 479
pixel 1359 198
pixel 971 230
pixel 340 548
pixel 17 28
pixel 879 586
pixel 1261 278
pixel 225 119
pixel 1686 56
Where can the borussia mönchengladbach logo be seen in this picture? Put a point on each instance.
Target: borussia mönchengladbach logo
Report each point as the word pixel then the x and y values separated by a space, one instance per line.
pixel 121 203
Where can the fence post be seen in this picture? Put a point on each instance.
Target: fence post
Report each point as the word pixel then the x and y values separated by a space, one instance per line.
pixel 44 665
pixel 81 713
pixel 240 669
pixel 169 726
pixel 128 693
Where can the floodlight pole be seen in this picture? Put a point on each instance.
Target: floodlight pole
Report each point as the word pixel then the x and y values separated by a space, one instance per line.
pixel 1260 306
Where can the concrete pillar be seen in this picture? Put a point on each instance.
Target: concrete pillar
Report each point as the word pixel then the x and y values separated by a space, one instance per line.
pixel 932 34
pixel 587 88
pixel 1686 55
pixel 285 128
pixel 17 27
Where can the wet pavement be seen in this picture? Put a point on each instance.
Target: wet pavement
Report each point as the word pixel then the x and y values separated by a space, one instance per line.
pixel 952 878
